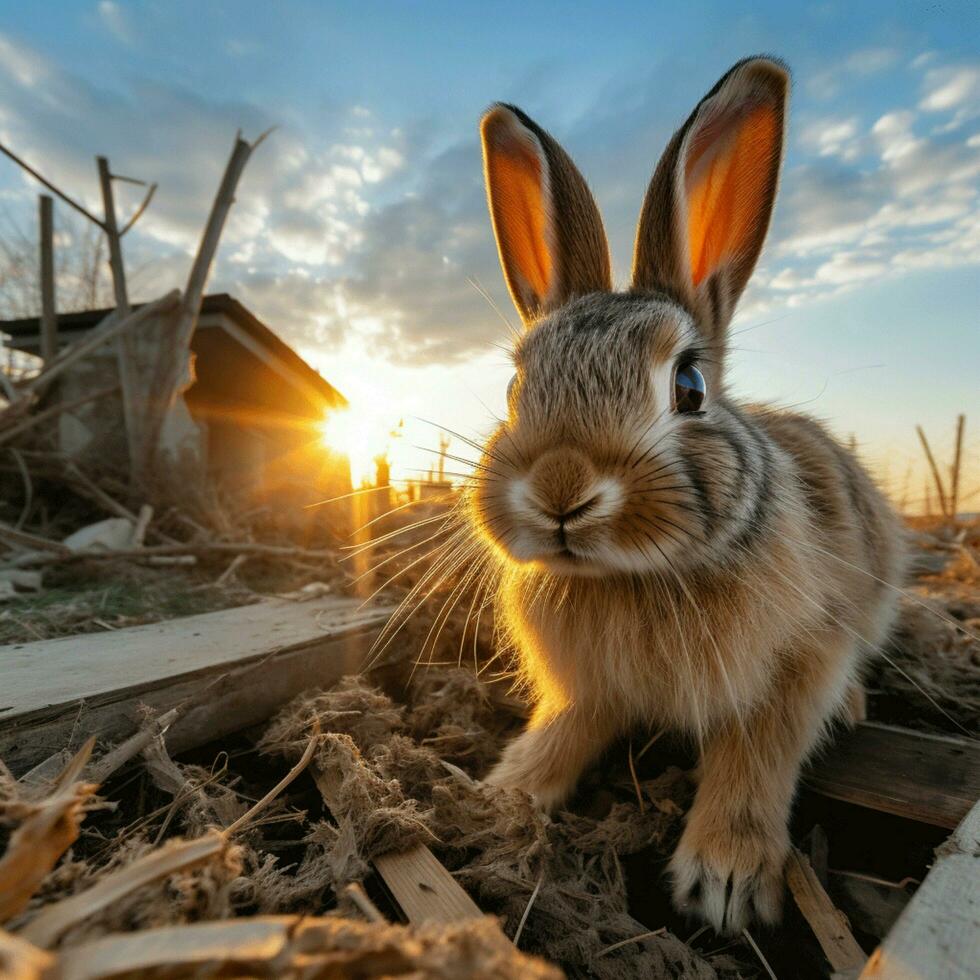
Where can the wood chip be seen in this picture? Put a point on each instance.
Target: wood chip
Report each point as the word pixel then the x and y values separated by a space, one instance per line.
pixel 828 923
pixel 49 829
pixel 178 855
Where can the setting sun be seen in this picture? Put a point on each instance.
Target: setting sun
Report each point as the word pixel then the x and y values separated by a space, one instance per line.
pixel 361 433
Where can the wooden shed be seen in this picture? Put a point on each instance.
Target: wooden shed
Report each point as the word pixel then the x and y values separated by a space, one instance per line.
pixel 257 403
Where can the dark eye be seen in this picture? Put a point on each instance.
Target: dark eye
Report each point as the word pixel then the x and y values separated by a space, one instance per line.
pixel 689 389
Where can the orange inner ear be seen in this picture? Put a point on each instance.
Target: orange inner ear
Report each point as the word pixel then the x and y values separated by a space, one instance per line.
pixel 727 179
pixel 520 216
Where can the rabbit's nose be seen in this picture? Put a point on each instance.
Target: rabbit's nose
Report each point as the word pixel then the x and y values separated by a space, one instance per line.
pixel 580 511
pixel 564 485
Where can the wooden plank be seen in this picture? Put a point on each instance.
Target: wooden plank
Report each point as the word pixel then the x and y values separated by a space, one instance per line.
pixel 417 880
pixel 938 933
pixel 930 778
pixel 72 687
pixel 423 887
pixel 828 923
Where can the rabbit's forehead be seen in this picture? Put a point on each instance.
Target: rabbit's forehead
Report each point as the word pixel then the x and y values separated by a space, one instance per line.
pixel 608 333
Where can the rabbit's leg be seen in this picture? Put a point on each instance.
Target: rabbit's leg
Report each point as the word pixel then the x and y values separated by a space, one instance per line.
pixel 729 863
pixel 550 756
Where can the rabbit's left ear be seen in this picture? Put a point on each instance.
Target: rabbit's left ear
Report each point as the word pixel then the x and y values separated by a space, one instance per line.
pixel 707 209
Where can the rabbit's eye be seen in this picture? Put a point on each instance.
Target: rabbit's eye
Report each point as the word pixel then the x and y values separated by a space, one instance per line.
pixel 689 389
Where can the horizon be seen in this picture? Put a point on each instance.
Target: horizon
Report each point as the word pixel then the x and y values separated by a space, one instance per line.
pixel 360 232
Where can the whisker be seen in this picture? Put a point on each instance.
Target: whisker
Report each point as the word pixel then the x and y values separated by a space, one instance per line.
pixel 442 617
pixel 353 550
pixel 395 510
pixel 469 442
pixel 461 459
pixel 444 567
pixel 400 572
pixel 496 309
pixel 396 555
pixel 345 496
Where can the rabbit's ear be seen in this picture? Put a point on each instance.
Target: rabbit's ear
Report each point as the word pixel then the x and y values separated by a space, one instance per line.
pixel 708 206
pixel 549 232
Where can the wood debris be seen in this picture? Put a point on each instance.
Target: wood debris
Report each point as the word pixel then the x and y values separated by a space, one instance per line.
pixel 46 829
pixel 292 849
pixel 829 924
pixel 288 946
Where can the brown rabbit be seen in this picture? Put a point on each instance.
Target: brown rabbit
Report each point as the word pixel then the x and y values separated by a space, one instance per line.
pixel 667 556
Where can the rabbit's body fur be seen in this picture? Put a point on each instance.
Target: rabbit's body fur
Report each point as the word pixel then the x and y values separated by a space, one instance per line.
pixel 721 572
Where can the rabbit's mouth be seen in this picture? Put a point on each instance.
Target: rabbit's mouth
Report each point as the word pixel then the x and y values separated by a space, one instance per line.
pixel 561 529
pixel 561 553
pixel 568 562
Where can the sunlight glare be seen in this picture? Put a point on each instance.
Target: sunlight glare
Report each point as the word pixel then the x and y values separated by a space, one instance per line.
pixel 361 433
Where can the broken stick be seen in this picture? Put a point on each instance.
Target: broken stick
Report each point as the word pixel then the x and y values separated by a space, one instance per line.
pixel 829 924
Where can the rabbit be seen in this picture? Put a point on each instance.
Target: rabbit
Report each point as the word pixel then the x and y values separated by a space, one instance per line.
pixel 667 556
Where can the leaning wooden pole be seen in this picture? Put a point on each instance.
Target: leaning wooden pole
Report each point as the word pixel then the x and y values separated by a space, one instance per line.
pixel 954 490
pixel 172 370
pixel 224 199
pixel 49 319
pixel 940 489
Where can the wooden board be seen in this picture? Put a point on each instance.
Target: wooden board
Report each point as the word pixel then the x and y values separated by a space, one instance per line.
pixel 930 778
pixel 57 691
pixel 938 933
pixel 417 880
pixel 423 887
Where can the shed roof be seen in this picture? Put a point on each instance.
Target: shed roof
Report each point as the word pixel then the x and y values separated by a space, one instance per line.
pixel 26 336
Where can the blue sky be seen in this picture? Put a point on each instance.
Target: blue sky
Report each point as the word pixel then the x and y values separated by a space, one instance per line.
pixel 361 221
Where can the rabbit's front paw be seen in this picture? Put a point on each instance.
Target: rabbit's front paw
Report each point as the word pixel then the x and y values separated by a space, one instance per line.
pixel 730 871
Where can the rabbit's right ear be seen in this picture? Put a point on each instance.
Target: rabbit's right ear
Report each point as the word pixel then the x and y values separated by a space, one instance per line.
pixel 708 206
pixel 549 234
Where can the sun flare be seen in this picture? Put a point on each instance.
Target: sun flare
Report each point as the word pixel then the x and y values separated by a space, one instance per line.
pixel 362 434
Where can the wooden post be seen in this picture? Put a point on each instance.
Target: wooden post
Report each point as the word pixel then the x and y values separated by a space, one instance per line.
pixel 112 232
pixel 954 490
pixel 940 489
pixel 126 344
pixel 170 373
pixel 443 448
pixel 49 321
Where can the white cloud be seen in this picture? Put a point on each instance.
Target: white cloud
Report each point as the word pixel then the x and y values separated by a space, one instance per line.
pixel 23 65
pixel 846 268
pixel 949 87
pixel 302 201
pixel 115 20
pixel 831 137
pixel 240 47
pixel 874 203
pixel 893 133
pixel 860 64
